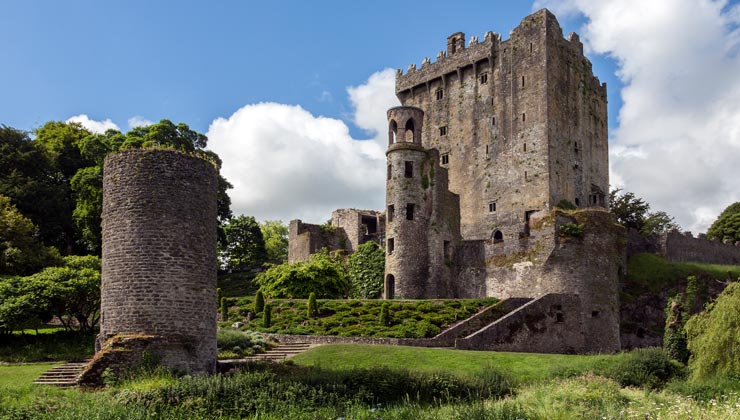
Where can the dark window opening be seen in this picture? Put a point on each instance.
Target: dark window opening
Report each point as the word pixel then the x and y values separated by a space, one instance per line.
pixel 487 151
pixel 446 250
pixel 393 129
pixel 391 246
pixel 575 147
pixel 390 171
pixel 594 314
pixel 439 94
pixel 558 307
pixel 493 120
pixel 408 170
pixel 491 206
pixel 578 201
pixel 640 332
pixel 483 78
pixel 560 317
pixel 530 47
pixel 445 158
pixel 390 285
pixel 525 147
pixel 409 131
pixel 528 215
pixel 498 237
pixel 370 224
pixel 522 81
pixel 391 212
pixel 525 176
pixel 443 130
pixel 524 117
pixel 409 211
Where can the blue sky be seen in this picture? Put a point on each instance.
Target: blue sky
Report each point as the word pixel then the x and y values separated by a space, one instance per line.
pixel 293 94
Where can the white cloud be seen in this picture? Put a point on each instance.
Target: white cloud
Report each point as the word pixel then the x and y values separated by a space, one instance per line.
pixel 678 140
pixel 98 127
pixel 286 163
pixel 138 121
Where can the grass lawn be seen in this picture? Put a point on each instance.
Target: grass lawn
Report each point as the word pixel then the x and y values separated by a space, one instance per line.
pixel 653 273
pixel 46 347
pixel 22 375
pixel 523 367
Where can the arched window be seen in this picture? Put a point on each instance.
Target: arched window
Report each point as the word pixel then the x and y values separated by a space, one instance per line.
pixel 498 237
pixel 409 130
pixel 392 130
pixel 390 286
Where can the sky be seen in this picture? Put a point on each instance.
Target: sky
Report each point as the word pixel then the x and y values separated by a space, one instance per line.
pixel 293 96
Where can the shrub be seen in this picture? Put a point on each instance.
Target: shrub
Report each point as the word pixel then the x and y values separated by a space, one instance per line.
pixel 312 308
pixel 259 302
pixel 649 367
pixel 239 343
pixel 224 309
pixel 366 268
pixel 322 274
pixel 566 205
pixel 219 295
pixel 713 338
pixel 385 314
pixel 267 316
pixel 572 229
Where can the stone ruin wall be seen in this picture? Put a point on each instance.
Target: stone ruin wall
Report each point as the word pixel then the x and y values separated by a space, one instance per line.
pixel 684 247
pixel 159 256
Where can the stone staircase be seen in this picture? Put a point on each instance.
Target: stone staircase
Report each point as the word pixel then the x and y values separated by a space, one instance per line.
pixel 281 352
pixel 64 376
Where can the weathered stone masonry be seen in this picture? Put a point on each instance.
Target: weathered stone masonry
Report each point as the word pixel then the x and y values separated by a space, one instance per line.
pixel 159 256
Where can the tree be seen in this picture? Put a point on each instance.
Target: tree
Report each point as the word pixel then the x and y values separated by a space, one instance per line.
pixel 275 234
pixel 21 252
pixel 633 212
pixel 713 338
pixel 366 269
pixel 245 246
pixel 727 225
pixel 322 275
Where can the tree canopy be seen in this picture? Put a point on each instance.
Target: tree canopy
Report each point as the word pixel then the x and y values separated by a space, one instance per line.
pixel 727 225
pixel 634 212
pixel 275 234
pixel 322 275
pixel 245 245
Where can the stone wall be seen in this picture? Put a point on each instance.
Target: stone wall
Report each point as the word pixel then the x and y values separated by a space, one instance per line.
pixel 305 239
pixel 684 247
pixel 159 253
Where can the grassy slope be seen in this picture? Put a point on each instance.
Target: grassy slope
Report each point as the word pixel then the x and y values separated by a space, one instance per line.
pixel 59 345
pixel 650 272
pixel 522 367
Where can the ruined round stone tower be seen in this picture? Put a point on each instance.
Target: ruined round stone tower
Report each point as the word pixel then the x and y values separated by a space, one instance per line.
pixel 159 258
pixel 407 219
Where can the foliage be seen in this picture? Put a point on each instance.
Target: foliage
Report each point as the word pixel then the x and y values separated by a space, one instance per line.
pixel 235 343
pixel 385 314
pixel 275 234
pixel 678 310
pixel 649 367
pixel 59 345
pixel 21 253
pixel 224 305
pixel 237 284
pixel 727 225
pixel 366 268
pixel 219 294
pixel 267 316
pixel 322 274
pixel 71 291
pixel 312 310
pixel 633 212
pixel 259 302
pixel 245 246
pixel 713 338
pixel 572 229
pixel 652 273
pixel 411 319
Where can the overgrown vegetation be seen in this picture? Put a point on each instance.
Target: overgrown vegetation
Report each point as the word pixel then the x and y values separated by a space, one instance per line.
pixel 652 273
pixel 410 319
pixel 322 274
pixel 234 344
pixel 633 212
pixel 727 225
pixel 365 269
pixel 56 346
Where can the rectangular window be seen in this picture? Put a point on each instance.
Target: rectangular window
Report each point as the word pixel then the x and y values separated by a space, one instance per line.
pixel 391 212
pixel 445 158
pixel 483 78
pixel 525 147
pixel 493 120
pixel 491 206
pixel 524 117
pixel 390 170
pixel 487 152
pixel 391 246
pixel 443 130
pixel 409 211
pixel 446 250
pixel 522 81
pixel 439 94
pixel 408 170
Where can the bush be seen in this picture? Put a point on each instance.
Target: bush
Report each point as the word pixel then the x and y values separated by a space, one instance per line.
pixel 247 342
pixel 224 309
pixel 259 302
pixel 385 314
pixel 322 275
pixel 366 268
pixel 713 338
pixel 572 229
pixel 649 367
pixel 312 308
pixel 267 316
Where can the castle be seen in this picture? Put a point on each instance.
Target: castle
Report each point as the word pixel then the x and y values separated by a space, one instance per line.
pixel 496 186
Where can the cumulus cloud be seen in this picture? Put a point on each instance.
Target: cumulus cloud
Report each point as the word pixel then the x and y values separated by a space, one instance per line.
pixel 138 121
pixel 286 163
pixel 98 127
pixel 677 143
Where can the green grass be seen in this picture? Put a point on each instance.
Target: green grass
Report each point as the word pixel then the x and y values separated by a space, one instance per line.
pixel 21 375
pixel 56 346
pixel 237 284
pixel 523 367
pixel 46 329
pixel 359 318
pixel 653 273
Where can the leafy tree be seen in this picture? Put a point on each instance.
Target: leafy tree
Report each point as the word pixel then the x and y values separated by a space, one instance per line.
pixel 727 225
pixel 259 302
pixel 322 275
pixel 312 309
pixel 633 212
pixel 713 338
pixel 366 268
pixel 267 316
pixel 21 252
pixel 276 240
pixel 245 246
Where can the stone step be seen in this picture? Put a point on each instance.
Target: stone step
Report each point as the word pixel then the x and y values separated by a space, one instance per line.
pixel 64 376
